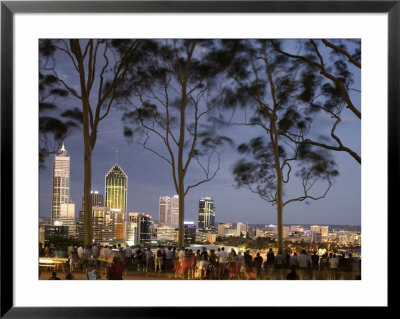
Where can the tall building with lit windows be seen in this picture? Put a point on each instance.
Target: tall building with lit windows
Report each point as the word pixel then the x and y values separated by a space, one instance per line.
pixel 138 228
pixel 206 216
pixel 97 199
pixel 102 224
pixel 61 173
pixel 67 217
pixel 116 182
pixel 168 212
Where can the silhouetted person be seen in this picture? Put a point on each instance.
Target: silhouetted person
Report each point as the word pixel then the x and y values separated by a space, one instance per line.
pixel 314 260
pixel 68 276
pixel 257 264
pixel 292 275
pixel 54 276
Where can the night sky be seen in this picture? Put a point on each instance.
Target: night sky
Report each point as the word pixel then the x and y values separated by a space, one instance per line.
pixel 149 177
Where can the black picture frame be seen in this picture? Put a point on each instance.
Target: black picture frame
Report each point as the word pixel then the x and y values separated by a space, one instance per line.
pixel 9 8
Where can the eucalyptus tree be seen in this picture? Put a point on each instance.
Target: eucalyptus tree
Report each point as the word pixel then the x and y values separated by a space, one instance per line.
pixel 329 84
pixel 53 126
pixel 90 71
pixel 268 85
pixel 169 102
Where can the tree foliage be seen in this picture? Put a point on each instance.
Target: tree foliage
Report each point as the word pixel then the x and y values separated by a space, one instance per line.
pixel 272 87
pixel 170 98
pixel 328 69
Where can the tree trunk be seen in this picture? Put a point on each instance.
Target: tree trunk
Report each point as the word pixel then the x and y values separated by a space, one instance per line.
pixel 181 229
pixel 87 181
pixel 279 190
pixel 87 184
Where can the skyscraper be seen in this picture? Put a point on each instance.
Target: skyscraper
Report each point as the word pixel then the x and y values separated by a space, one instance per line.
pixel 102 223
pixel 206 218
pixel 163 210
pixel 138 228
pixel 116 182
pixel 97 199
pixel 168 212
pixel 67 217
pixel 61 171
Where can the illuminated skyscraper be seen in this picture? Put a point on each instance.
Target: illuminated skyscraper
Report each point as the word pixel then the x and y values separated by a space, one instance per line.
pixel 168 213
pixel 138 228
pixel 206 219
pixel 116 182
pixel 67 217
pixel 61 169
pixel 97 199
pixel 102 223
pixel 163 210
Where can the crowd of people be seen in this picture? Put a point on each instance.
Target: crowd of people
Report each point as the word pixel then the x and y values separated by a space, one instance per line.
pixel 114 261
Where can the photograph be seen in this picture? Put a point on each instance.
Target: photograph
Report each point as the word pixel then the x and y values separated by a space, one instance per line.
pixel 161 158
pixel 243 158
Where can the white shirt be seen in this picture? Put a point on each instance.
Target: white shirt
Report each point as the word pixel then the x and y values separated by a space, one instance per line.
pixel 80 251
pixel 222 256
pixel 333 262
pixel 106 252
pixel 303 260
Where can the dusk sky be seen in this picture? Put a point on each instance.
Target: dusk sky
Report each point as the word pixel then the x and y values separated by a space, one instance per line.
pixel 149 177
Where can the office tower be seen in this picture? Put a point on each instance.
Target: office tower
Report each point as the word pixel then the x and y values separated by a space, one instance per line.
pixel 138 228
pixel 222 227
pixel 102 225
pixel 116 182
pixel 61 170
pixel 167 233
pixel 241 230
pixel 260 233
pixel 206 217
pixel 190 232
pixel 163 210
pixel 285 232
pixel 67 217
pixel 168 212
pixel 174 211
pixel 53 233
pixel 323 232
pixel 97 199
pixel 211 238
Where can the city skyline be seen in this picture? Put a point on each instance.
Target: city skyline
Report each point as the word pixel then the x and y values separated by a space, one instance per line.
pixel 270 218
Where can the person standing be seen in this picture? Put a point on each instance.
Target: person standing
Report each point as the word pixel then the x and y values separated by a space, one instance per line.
pixel 158 260
pixel 324 266
pixel 304 262
pixel 232 263
pixel 270 262
pixel 333 267
pixel 128 256
pixel 116 270
pixel 278 267
pixel 258 260
pixel 91 271
pixel 293 260
pixel 71 260
pixel 149 258
pixel 222 260
pixel 249 264
pixel 315 264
